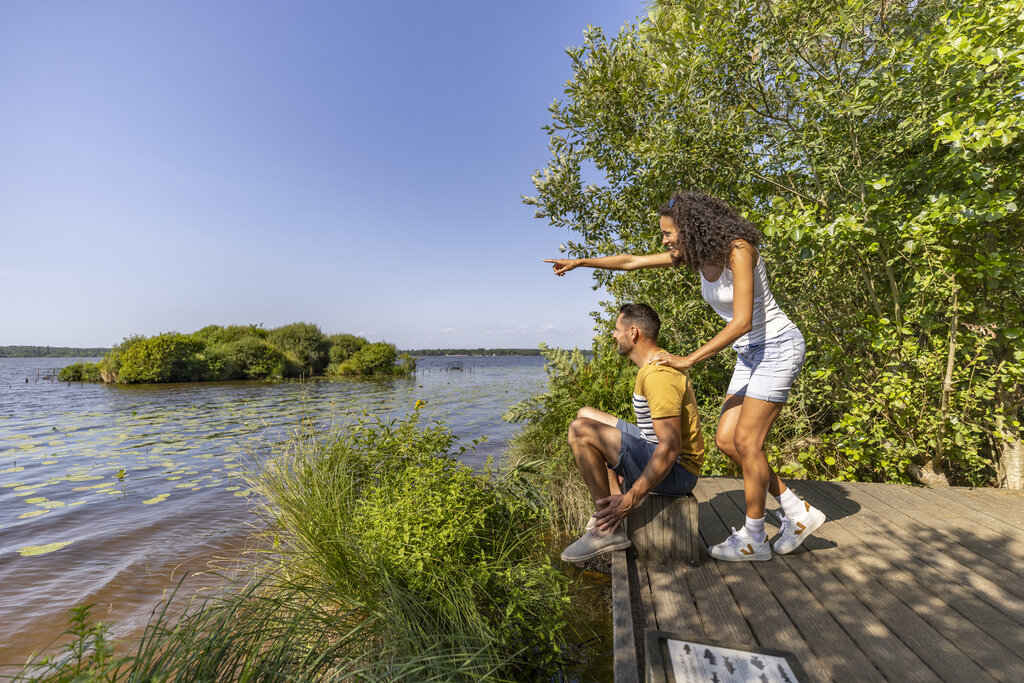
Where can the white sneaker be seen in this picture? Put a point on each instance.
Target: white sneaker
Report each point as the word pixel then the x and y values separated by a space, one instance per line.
pixel 740 547
pixel 794 531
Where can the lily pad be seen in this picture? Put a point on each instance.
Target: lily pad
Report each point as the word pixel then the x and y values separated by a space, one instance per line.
pixel 30 550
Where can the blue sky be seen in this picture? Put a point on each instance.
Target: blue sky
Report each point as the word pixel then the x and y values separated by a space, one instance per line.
pixel 167 165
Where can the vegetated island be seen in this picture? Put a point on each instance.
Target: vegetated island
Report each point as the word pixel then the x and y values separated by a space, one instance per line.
pixel 217 353
pixel 473 352
pixel 51 352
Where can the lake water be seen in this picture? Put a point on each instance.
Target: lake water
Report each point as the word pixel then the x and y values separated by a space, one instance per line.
pixel 110 494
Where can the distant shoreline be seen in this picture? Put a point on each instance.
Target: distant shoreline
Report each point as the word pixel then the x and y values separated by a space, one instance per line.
pixel 51 352
pixel 473 352
pixel 74 352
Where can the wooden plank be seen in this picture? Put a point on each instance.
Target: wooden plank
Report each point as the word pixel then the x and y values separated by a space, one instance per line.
pixel 841 659
pixel 985 506
pixel 949 616
pixel 719 615
pixel 993 582
pixel 766 617
pixel 985 497
pixel 934 602
pixel 643 599
pixel 661 528
pixel 673 604
pixel 1007 522
pixel 914 614
pixel 626 667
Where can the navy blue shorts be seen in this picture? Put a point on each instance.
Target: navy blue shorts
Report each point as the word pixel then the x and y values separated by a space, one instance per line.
pixel 634 454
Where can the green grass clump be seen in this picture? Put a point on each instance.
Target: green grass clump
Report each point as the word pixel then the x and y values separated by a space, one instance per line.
pixel 386 559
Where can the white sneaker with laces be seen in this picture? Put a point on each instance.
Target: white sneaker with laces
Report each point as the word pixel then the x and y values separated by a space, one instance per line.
pixel 793 531
pixel 740 547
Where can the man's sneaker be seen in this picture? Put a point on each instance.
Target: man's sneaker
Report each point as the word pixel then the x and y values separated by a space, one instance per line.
pixel 589 545
pixel 794 531
pixel 740 547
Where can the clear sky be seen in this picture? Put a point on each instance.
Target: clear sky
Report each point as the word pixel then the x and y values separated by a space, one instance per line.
pixel 168 165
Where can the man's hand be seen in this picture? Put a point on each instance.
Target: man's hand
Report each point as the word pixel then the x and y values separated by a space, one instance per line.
pixel 614 510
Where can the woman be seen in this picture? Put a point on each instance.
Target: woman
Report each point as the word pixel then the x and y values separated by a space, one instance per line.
pixel 707 235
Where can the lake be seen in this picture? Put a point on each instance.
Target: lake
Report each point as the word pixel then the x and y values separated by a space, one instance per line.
pixel 110 494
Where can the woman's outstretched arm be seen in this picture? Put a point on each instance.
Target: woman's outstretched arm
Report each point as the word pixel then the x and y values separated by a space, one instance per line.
pixel 561 266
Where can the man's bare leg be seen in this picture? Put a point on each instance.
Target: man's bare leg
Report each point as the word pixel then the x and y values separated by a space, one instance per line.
pixel 595 441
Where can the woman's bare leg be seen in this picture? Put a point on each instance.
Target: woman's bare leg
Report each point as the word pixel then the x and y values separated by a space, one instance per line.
pixel 755 418
pixel 725 438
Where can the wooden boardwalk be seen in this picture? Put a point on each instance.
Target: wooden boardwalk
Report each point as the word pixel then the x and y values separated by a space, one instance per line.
pixel 901 584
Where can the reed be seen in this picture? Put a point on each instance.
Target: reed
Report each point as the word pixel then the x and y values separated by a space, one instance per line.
pixel 384 558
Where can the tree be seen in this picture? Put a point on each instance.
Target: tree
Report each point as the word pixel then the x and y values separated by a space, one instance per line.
pixel 878 147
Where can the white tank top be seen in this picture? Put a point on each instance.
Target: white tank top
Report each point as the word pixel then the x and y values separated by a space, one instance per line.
pixel 768 321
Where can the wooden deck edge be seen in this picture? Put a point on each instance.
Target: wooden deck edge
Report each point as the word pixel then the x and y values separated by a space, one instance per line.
pixel 627 668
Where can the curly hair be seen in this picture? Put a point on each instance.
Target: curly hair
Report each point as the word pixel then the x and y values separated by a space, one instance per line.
pixel 707 227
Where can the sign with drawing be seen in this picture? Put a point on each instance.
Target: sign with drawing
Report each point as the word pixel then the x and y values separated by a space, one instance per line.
pixel 681 659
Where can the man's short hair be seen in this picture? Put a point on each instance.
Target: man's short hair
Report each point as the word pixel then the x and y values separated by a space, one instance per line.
pixel 643 317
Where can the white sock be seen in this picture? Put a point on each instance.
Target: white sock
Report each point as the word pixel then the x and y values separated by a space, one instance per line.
pixel 755 529
pixel 792 505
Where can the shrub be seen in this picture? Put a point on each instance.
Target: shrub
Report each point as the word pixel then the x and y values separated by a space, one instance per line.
pixel 111 363
pixel 385 513
pixel 169 357
pixel 343 346
pixel 215 334
pixel 249 358
pixel 306 342
pixel 81 372
pixel 373 359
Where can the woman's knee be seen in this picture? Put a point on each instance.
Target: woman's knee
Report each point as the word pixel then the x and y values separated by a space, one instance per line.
pixel 727 444
pixel 748 445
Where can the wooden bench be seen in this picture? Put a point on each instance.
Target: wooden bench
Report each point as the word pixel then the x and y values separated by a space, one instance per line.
pixel 663 530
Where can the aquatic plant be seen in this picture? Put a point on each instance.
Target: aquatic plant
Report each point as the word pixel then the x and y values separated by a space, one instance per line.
pixel 383 558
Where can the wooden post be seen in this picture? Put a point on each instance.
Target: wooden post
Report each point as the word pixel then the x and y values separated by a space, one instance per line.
pixel 664 530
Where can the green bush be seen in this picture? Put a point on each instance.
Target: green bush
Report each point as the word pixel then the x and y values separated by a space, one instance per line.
pixel 249 358
pixel 306 342
pixel 215 334
pixel 246 352
pixel 376 359
pixel 169 357
pixel 387 514
pixel 81 372
pixel 343 346
pixel 111 363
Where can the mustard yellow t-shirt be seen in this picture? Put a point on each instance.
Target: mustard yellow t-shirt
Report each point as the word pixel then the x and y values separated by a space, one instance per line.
pixel 662 392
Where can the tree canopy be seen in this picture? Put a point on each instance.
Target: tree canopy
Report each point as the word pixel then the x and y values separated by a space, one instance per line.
pixel 878 145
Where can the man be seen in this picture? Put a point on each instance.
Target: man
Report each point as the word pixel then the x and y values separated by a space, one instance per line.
pixel 663 452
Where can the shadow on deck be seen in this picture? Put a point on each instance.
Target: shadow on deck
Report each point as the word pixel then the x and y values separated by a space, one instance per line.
pixel 901 583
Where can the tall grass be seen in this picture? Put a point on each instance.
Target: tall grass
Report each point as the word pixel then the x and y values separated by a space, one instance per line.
pixel 384 558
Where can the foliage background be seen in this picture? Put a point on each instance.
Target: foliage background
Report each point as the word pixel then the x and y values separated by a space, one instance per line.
pixel 878 146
